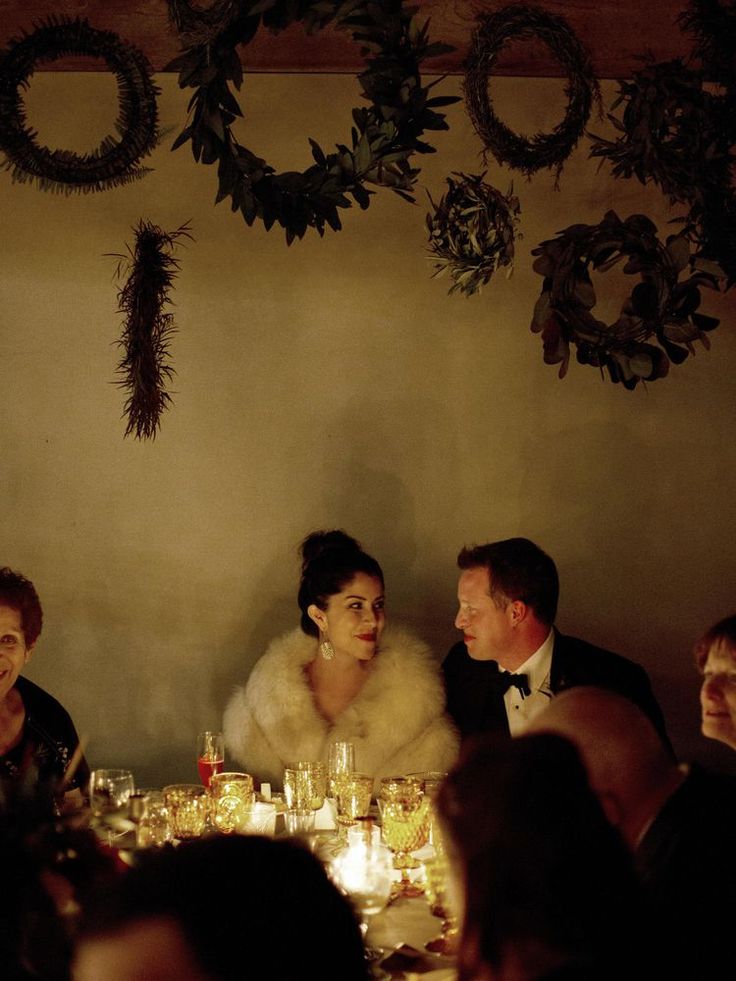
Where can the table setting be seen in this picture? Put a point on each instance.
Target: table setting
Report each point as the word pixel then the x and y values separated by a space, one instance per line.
pixel 378 842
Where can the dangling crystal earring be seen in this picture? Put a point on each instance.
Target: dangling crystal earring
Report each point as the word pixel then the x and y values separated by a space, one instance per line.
pixel 326 649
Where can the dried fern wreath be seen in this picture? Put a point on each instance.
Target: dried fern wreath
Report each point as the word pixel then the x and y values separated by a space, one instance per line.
pixel 384 136
pixel 116 159
pixel 659 308
pixel 542 149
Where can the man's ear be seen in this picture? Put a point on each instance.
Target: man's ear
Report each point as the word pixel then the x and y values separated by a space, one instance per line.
pixel 317 616
pixel 517 612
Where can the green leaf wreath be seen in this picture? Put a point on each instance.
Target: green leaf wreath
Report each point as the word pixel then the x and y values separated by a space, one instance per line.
pixel 472 231
pixel 662 309
pixel 145 367
pixel 384 135
pixel 117 159
pixel 679 133
pixel 521 22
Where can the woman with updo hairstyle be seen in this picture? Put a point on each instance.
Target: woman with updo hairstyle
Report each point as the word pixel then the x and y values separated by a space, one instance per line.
pixel 342 675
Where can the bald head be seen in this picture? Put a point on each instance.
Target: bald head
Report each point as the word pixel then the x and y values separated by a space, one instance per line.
pixel 628 765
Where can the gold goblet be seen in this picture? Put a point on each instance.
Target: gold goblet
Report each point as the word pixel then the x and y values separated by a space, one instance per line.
pixel 305 785
pixel 354 792
pixel 188 805
pixel 404 814
pixel 436 877
pixel 232 797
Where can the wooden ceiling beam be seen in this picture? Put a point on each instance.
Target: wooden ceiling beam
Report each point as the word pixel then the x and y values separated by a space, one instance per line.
pixel 616 33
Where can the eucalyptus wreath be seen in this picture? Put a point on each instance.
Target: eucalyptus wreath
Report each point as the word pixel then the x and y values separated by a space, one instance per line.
pixel 471 232
pixel 117 159
pixel 543 149
pixel 145 368
pixel 677 134
pixel 384 135
pixel 661 309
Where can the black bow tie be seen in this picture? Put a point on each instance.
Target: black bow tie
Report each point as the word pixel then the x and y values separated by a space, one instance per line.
pixel 506 680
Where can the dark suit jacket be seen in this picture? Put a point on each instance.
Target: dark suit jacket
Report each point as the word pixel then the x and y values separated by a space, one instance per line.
pixel 687 864
pixel 476 707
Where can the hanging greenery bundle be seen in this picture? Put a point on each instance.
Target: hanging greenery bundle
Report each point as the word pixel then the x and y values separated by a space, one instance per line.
pixel 472 231
pixel 661 309
pixel 520 22
pixel 675 133
pixel 145 367
pixel 384 135
pixel 713 25
pixel 117 159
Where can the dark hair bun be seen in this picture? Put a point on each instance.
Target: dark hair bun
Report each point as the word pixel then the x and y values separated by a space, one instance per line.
pixel 319 543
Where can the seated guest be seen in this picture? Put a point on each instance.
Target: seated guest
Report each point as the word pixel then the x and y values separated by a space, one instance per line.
pixel 221 909
pixel 677 821
pixel 36 732
pixel 546 887
pixel 512 660
pixel 342 676
pixel 715 656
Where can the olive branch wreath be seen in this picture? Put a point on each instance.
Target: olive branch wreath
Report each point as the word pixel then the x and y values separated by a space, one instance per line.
pixel 661 308
pixel 384 135
pixel 116 160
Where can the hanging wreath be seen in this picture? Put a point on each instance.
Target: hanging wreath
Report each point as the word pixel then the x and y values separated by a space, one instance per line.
pixel 145 367
pixel 660 308
pixel 674 132
pixel 116 160
pixel 384 135
pixel 543 149
pixel 472 231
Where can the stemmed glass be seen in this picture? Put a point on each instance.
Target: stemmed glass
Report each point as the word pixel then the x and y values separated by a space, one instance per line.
pixel 437 872
pixel 353 792
pixel 340 760
pixel 404 816
pixel 363 871
pixel 305 786
pixel 109 793
pixel 210 755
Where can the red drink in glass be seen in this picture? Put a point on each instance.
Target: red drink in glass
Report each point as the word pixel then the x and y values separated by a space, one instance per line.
pixel 207 767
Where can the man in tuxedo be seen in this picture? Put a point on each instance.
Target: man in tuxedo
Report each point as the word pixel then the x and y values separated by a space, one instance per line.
pixel 512 661
pixel 678 822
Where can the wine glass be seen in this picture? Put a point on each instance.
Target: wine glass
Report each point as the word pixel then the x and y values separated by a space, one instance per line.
pixel 364 871
pixel 340 760
pixel 210 755
pixel 109 793
pixel 404 814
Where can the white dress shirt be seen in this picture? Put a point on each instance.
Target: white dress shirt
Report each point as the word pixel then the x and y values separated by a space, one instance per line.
pixel 521 709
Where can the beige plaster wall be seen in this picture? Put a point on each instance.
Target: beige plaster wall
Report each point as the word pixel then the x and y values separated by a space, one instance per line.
pixel 333 383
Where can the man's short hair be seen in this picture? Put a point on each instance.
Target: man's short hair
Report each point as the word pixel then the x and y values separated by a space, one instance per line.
pixel 518 570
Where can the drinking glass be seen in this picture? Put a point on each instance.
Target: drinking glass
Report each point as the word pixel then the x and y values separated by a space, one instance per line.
pixel 109 792
pixel 364 872
pixel 232 794
pixel 340 760
pixel 305 785
pixel 188 807
pixel 153 826
pixel 404 813
pixel 436 871
pixel 354 792
pixel 210 755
